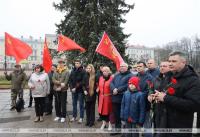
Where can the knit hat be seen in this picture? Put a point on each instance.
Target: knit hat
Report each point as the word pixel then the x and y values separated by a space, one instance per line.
pixel 135 81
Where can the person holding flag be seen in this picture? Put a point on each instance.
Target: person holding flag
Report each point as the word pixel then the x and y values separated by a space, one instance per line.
pixel 18 81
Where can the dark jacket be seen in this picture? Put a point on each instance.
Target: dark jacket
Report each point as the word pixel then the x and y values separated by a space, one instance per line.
pixel 85 82
pixel 154 72
pixel 50 74
pixel 120 81
pixel 76 79
pixel 133 105
pixel 186 100
pixel 159 108
pixel 18 79
pixel 145 78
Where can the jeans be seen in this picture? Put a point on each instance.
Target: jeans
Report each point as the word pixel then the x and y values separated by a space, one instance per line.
pixel 78 96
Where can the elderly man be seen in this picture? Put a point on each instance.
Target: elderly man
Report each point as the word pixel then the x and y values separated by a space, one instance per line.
pixel 118 86
pixel 152 68
pixel 18 81
pixel 182 95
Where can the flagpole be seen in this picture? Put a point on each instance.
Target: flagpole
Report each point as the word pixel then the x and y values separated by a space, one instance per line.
pixel 5 63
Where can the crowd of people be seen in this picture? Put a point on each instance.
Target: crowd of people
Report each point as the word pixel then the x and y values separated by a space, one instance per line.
pixel 141 96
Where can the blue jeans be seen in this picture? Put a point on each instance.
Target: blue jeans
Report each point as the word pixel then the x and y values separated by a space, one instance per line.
pixel 78 96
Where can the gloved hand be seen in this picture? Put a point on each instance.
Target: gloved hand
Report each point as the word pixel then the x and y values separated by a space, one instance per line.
pixel 85 92
pixel 130 120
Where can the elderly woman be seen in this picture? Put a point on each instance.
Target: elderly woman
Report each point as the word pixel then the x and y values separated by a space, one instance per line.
pixel 40 87
pixel 105 102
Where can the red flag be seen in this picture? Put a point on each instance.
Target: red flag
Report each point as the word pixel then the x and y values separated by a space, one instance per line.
pixel 16 48
pixel 65 43
pixel 47 61
pixel 107 49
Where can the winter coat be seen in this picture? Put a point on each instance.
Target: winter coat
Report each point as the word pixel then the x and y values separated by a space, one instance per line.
pixel 154 72
pixel 18 80
pixel 145 78
pixel 50 74
pixel 120 81
pixel 105 101
pixel 76 79
pixel 59 78
pixel 41 84
pixel 159 108
pixel 133 105
pixel 85 82
pixel 186 100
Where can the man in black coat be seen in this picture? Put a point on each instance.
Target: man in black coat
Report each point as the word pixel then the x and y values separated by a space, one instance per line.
pixel 182 95
pixel 76 79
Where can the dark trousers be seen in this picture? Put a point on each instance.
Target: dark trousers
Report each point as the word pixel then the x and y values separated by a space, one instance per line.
pixel 130 126
pixel 90 112
pixel 60 103
pixel 78 96
pixel 31 98
pixel 39 105
pixel 49 102
pixel 104 117
pixel 116 111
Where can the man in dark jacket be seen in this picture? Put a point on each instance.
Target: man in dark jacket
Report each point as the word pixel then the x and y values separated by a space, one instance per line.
pixel 49 98
pixel 145 82
pixel 152 68
pixel 182 97
pixel 76 86
pixel 118 86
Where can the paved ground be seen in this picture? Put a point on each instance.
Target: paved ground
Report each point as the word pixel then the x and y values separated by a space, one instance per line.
pixel 14 121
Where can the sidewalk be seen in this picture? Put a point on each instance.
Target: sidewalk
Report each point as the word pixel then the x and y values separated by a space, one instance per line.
pixel 24 120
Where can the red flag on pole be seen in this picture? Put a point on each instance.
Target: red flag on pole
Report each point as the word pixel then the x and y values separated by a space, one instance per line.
pixel 65 43
pixel 107 49
pixel 47 61
pixel 16 48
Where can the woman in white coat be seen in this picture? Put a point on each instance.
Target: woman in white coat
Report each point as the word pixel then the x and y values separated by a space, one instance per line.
pixel 40 87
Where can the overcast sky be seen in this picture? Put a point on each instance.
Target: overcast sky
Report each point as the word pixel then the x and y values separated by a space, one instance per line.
pixel 151 23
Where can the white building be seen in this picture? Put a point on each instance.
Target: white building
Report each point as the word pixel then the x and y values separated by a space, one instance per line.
pixel 139 53
pixel 35 58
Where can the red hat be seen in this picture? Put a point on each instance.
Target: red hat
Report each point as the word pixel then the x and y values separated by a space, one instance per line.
pixel 135 81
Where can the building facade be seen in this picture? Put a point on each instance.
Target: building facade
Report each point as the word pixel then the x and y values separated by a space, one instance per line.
pixel 140 53
pixel 35 58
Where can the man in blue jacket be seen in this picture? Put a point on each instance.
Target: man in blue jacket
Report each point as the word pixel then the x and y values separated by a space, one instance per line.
pixel 118 86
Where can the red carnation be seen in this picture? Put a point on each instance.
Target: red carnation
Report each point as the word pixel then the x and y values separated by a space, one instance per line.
pixel 174 81
pixel 171 91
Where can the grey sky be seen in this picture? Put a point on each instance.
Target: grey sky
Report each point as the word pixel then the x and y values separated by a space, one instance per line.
pixel 151 23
